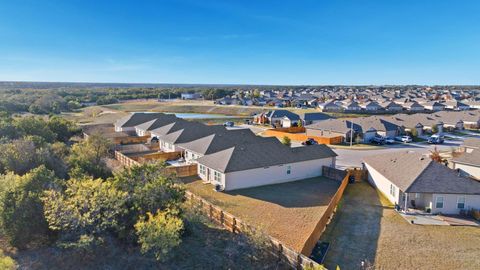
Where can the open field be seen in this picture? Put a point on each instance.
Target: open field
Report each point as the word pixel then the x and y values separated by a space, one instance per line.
pixel 367 228
pixel 289 212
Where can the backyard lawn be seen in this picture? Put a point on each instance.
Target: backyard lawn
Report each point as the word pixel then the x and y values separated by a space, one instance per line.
pixel 366 227
pixel 288 212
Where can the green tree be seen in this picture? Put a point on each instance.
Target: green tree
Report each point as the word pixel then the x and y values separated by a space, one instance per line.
pixel 434 129
pixel 286 140
pixel 7 263
pixel 85 213
pixel 34 126
pixel 21 208
pixel 159 233
pixel 88 157
pixel 149 190
pixel 414 132
pixel 62 128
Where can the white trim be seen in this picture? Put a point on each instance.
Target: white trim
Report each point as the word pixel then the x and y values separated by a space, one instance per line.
pixel 437 201
pixel 464 201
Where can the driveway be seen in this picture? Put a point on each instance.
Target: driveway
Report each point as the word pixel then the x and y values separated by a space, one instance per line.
pixel 353 158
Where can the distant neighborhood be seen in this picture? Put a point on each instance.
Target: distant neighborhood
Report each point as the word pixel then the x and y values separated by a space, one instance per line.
pixel 366 100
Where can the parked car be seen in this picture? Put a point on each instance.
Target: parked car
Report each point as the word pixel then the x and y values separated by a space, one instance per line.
pixel 389 140
pixel 228 124
pixel 405 138
pixel 378 140
pixel 436 139
pixel 309 141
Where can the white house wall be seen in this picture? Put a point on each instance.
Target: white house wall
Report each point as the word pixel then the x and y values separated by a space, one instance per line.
pixel 382 184
pixel 450 203
pixel 276 174
pixel 469 169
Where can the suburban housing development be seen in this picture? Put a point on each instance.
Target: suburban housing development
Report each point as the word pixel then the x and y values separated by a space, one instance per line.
pixel 229 159
pixel 413 181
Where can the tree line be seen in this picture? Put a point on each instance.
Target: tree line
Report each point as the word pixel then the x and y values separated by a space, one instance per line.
pixel 57 190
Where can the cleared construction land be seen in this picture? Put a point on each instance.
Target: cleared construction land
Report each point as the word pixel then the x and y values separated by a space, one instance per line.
pixel 366 227
pixel 289 212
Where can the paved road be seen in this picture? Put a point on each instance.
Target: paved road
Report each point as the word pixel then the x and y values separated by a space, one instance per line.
pixel 349 158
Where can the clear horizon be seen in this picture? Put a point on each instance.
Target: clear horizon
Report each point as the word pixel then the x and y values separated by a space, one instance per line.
pixel 241 42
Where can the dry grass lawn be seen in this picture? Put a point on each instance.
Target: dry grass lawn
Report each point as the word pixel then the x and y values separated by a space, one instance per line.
pixel 288 212
pixel 366 228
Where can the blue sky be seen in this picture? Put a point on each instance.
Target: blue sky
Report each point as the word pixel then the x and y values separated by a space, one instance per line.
pixel 248 42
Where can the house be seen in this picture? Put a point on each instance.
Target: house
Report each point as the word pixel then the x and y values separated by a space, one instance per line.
pixel 456 105
pixel 330 107
pixel 282 118
pixel 190 96
pixel 364 128
pixel 413 107
pixel 434 106
pixel 263 163
pixel 412 180
pixel 352 106
pixel 162 120
pixel 182 131
pixel 391 106
pixel 468 161
pixel 371 106
pixel 217 142
pixel 311 118
pixel 128 123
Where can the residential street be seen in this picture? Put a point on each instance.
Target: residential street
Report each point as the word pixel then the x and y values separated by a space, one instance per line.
pixel 353 158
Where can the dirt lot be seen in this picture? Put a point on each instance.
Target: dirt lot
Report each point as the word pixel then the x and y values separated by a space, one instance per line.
pixel 288 212
pixel 367 228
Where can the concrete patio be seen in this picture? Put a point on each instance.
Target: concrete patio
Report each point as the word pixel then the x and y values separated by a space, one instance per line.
pixel 438 220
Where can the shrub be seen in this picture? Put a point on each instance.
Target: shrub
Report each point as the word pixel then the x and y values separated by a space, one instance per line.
pixel 286 140
pixel 159 233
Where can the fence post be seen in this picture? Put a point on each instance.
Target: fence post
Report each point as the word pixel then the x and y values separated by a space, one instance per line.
pixel 221 217
pixel 234 225
pixel 210 211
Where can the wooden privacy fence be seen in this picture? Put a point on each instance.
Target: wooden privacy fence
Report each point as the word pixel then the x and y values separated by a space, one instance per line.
pixel 125 160
pixel 302 136
pixel 325 219
pixel 160 156
pixel 181 171
pixel 131 139
pixel 333 173
pixel 236 225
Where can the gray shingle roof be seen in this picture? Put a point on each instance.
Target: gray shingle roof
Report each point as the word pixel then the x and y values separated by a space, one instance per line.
pixel 221 141
pixel 416 173
pixel 262 154
pixel 137 119
pixel 472 158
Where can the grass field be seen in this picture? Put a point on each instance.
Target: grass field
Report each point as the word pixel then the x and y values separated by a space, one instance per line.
pixel 288 212
pixel 367 228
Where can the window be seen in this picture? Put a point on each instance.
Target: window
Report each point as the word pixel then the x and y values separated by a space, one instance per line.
pixel 461 202
pixel 289 169
pixel 217 176
pixel 202 170
pixel 417 195
pixel 392 190
pixel 439 202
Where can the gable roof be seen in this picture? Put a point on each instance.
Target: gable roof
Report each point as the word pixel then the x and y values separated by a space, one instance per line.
pixel 136 119
pixel 416 173
pixel 158 122
pixel 472 158
pixel 221 141
pixel 263 154
pixel 315 116
pixel 282 113
pixel 189 131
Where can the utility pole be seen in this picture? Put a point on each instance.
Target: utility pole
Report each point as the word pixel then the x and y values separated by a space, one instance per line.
pixel 351 133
